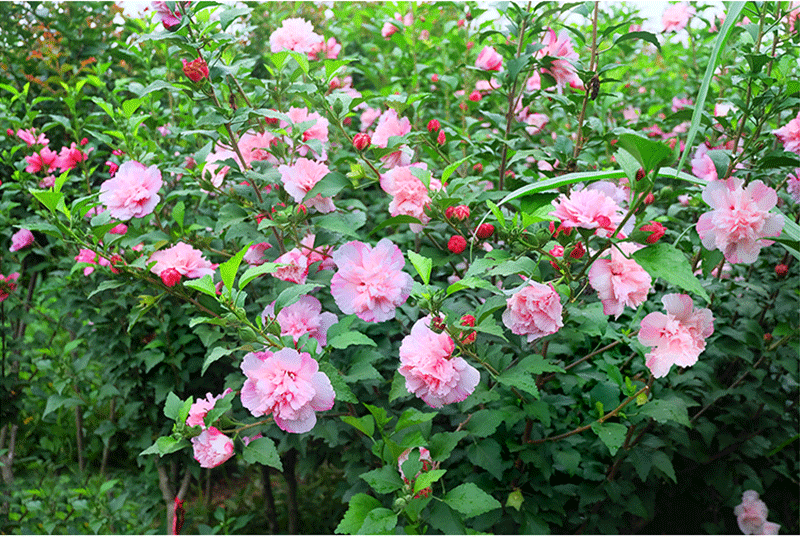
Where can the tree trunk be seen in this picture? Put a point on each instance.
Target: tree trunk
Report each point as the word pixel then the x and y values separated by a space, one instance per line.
pixel 269 499
pixel 289 462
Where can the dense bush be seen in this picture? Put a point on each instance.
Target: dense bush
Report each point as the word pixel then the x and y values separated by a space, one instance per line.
pixel 431 268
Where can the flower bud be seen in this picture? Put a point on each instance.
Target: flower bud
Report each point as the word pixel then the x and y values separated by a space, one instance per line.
pixel 484 230
pixel 195 70
pixel 361 141
pixel 781 269
pixel 435 78
pixel 434 125
pixel 475 96
pixel 656 229
pixel 441 138
pixel 438 325
pixel 460 212
pixel 468 320
pixel 457 244
pixel 578 251
pixel 640 174
pixel 478 167
pixel 649 199
pixel 170 277
pixel 767 338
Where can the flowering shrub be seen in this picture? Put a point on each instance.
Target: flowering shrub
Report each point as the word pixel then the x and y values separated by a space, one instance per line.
pixel 448 253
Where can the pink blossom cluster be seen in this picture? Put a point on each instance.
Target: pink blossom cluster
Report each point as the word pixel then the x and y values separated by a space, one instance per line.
pixel 430 370
pixel 751 516
pixel 301 318
pixel 132 192
pixel 740 220
pixel 534 311
pixel 288 385
pixel 676 17
pixel 295 34
pixel 619 281
pixel 677 337
pixel 178 261
pixel 7 285
pixel 391 125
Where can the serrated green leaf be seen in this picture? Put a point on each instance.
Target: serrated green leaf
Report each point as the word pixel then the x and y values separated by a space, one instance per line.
pixel 227 270
pixel 669 263
pixel 470 501
pixel 204 284
pixel 423 265
pixel 358 508
pixel 426 479
pixel 612 435
pixel 213 355
pixel 667 409
pixel 379 521
pixel 262 450
pixel 365 424
pixel 384 480
pixel 172 406
pixel 342 341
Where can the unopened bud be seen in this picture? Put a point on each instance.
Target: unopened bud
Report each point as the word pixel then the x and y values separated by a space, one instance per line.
pixel 639 174
pixel 457 244
pixel 484 230
pixel 441 138
pixel 170 277
pixel 434 125
pixel 578 251
pixel 781 269
pixel 361 141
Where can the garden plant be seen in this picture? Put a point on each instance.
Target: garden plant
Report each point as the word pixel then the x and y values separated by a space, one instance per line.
pixel 399 268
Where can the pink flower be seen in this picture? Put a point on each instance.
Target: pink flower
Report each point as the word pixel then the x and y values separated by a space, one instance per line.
pixel 295 267
pixel 790 135
pixel 534 311
pixel 409 194
pixel 184 259
pixel 389 125
pixel 132 192
pixel 489 60
pixel 369 116
pixel 751 516
pixel 44 160
pixel 589 209
pixel 31 139
pixel 680 103
pixel 561 69
pixel 619 281
pixel 793 185
pixel 702 165
pixel 7 285
pixel 430 371
pixel 321 255
pixel 195 70
pixel 740 219
pixel 424 457
pixel 112 167
pixel 370 282
pixel 120 228
pixel 255 147
pixel 255 254
pixel 198 411
pixel 630 114
pixel 214 171
pixel 70 157
pixel 288 385
pixel 212 448
pixel 20 240
pixel 167 17
pixel 295 34
pixel 677 16
pixel 656 231
pixel 301 177
pixel 303 317
pixel 325 50
pixel 318 131
pixel 677 337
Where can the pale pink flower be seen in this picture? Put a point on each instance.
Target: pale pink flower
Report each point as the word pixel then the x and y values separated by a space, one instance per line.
pixel 301 177
pixel 769 529
pixel 389 125
pixel 325 49
pixel 44 160
pixel 303 317
pixel 740 220
pixel 424 457
pixel 388 29
pixel 561 69
pixel 370 282
pixel 201 406
pixel 295 34
pixel 722 109
pixel 534 311
pixel 677 16
pixel 793 185
pixel 790 135
pixel 369 116
pixel 631 114
pixel 430 370
pixel 255 147
pixel 321 255
pixel 255 253
pixel 318 131
pixel 677 337
pixel 619 281
pixel 30 138
pixel 409 194
pixel 47 182
pixel 489 60
pixel 215 171
pixel 588 209
pixel 167 17
pixel 20 240
pixel 288 385
pixel 751 516
pixel 681 103
pixel 534 82
pixel 702 165
pixel 212 448
pixel 184 259
pixel 70 157
pixel 294 267
pixel 132 192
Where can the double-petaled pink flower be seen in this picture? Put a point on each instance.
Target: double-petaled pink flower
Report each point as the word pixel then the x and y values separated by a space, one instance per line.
pixel 178 261
pixel 489 60
pixel 370 282
pixel 534 311
pixel 132 192
pixel 303 317
pixel 619 281
pixel 677 16
pixel 430 370
pixel 20 240
pixel 677 337
pixel 293 267
pixel 740 221
pixel 751 516
pixel 560 69
pixel 288 385
pixel 70 157
pixel 212 448
pixel 409 194
pixel 790 135
pixel 201 407
pixel 294 34
pixel 588 209
pixel 45 161
pixel 301 177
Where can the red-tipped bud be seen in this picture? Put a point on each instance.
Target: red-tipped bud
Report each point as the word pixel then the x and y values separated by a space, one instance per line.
pixel 271 121
pixel 468 320
pixel 657 230
pixel 460 212
pixel 361 141
pixel 781 269
pixel 302 210
pixel 435 78
pixel 84 142
pixel 578 251
pixel 475 96
pixel 649 199
pixel 438 325
pixel 484 230
pixel 10 132
pixel 470 45
pixel 195 70
pixel 440 139
pixel 434 125
pixel 767 338
pixel 478 167
pixel 640 174
pixel 510 174
pixel 457 244
pixel 170 277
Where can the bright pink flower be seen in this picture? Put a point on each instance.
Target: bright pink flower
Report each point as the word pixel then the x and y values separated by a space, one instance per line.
pixel 409 194
pixel 619 281
pixel 656 231
pixel 198 411
pixel 70 157
pixel 489 60
pixel 212 448
pixel 120 228
pixel 168 18
pixel 679 104
pixel 184 259
pixel 7 285
pixel 389 125
pixel 589 209
pixel 255 254
pixel 112 167
pixel 325 50
pixel 430 371
pixel 790 135
pixel 303 317
pixel 20 240
pixel 677 16
pixel 370 282
pixel 86 256
pixel 793 185
pixel 561 69
pixel 31 139
pixel 44 160
pixel 740 220
pixel 321 255
pixel 295 34
pixel 369 116
pixel 255 147
pixel 295 267
pixel 132 192
pixel 677 337
pixel 299 178
pixel 288 385
pixel 751 516
pixel 534 311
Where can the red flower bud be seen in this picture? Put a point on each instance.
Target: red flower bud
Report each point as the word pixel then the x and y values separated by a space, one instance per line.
pixel 170 277
pixel 441 138
pixel 457 244
pixel 649 199
pixel 435 78
pixel 10 132
pixel 460 212
pixel 475 96
pixel 478 167
pixel 468 320
pixel 301 209
pixel 84 142
pixel 510 174
pixel 195 70
pixel 657 230
pixel 781 269
pixel 434 125
pixel 438 325
pixel 767 338
pixel 448 213
pixel 640 174
pixel 361 141
pixel 484 230
pixel 578 251
pixel 271 121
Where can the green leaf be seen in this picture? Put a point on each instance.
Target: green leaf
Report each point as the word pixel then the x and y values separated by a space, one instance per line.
pixel 448 171
pixel 612 434
pixel 54 402
pixel 667 409
pixel 262 450
pixel 497 213
pixel 379 521
pixel 329 185
pixel 340 387
pixel 172 406
pixel 515 499
pixel 380 415
pixel 227 270
pixel 423 265
pixel 52 200
pixel 254 272
pixel 669 263
pixel 342 223
pixel 470 501
pixel 639 35
pixel 441 445
pixel 205 285
pixel 365 424
pixel 472 282
pixel 384 480
pixel 650 154
pixel 662 462
pixel 220 407
pixel 484 423
pixel 129 106
pixel 396 220
pixel 178 212
pixel 213 355
pixel 357 510
pixel 342 341
pixel 107 285
pixel 292 294
pixel 411 417
pixel 425 480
